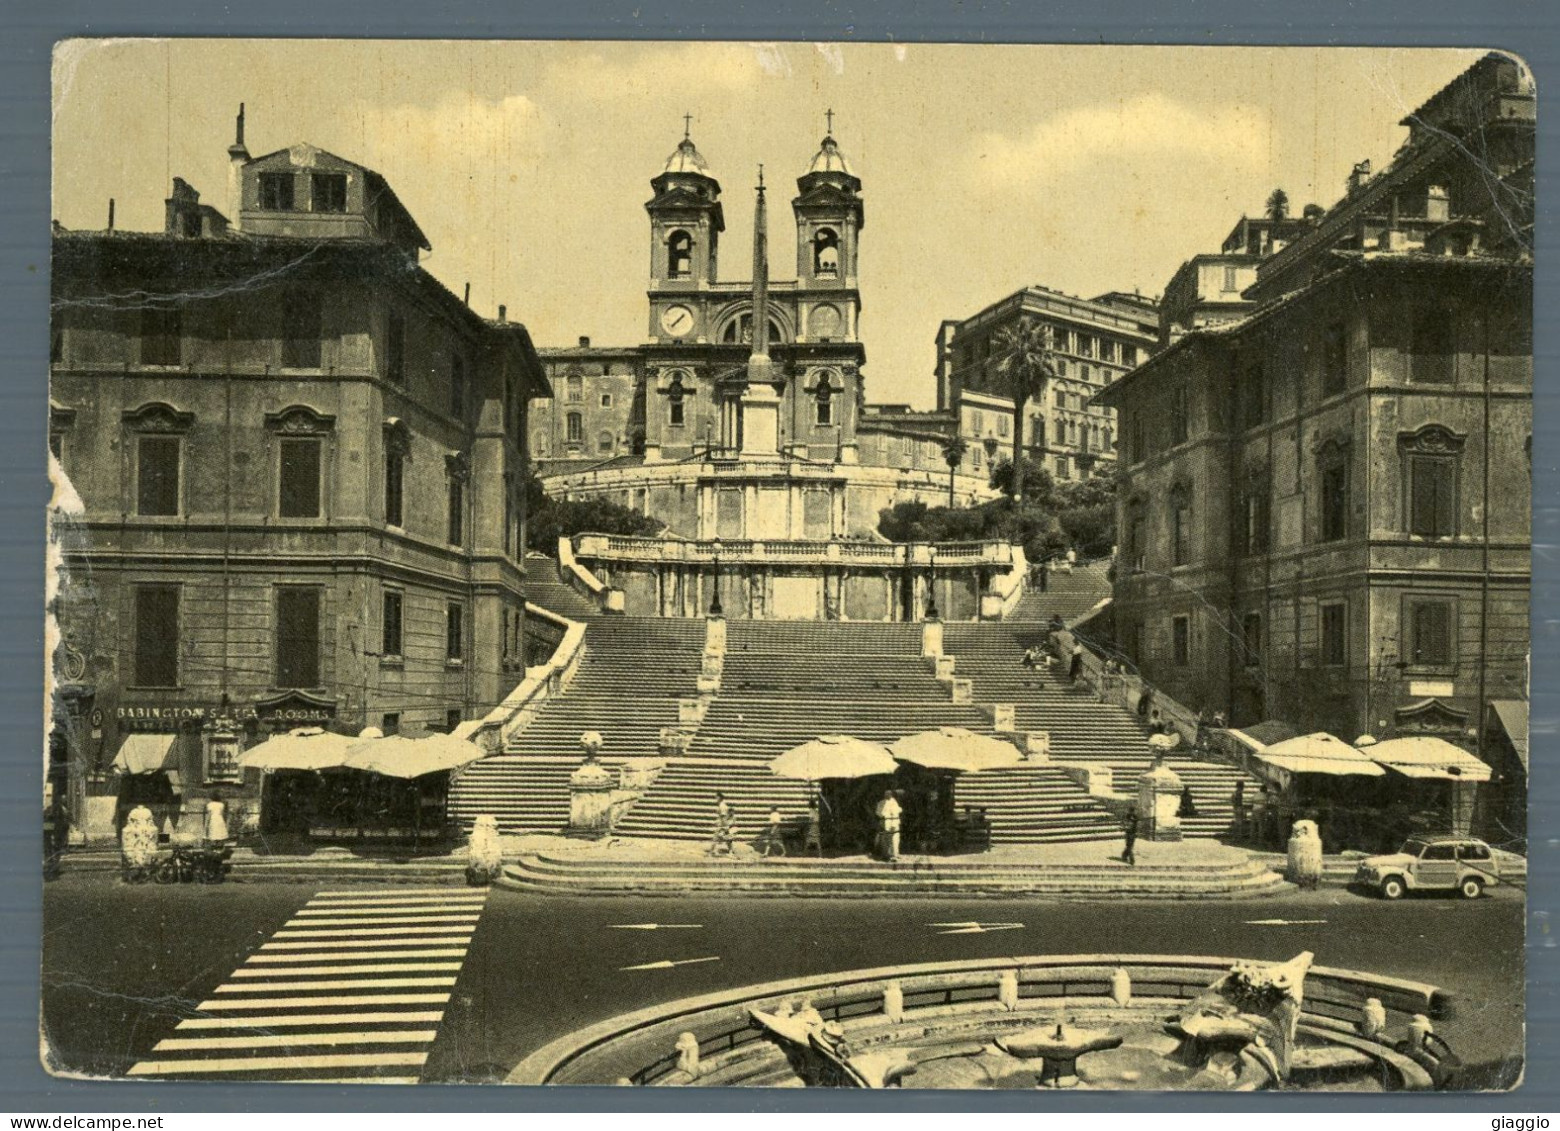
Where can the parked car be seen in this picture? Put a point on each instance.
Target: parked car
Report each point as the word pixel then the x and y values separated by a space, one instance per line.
pixel 1442 862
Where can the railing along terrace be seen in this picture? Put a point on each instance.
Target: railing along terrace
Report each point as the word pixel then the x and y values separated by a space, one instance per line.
pixel 640 1046
pixel 822 551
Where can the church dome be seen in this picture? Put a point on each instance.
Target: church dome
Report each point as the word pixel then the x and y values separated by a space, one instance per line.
pixel 829 159
pixel 687 159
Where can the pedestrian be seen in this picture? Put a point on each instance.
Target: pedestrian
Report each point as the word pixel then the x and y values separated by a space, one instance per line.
pixel 720 842
pixel 1072 557
pixel 888 815
pixel 773 842
pixel 1031 657
pixel 1188 807
pixel 1129 853
pixel 1075 668
pixel 1045 575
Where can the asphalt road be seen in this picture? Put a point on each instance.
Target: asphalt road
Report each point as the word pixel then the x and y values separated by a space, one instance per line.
pixel 122 965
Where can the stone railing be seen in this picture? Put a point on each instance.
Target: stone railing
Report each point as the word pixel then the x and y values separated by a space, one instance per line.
pixel 1004 590
pixel 579 578
pixel 954 555
pixel 541 683
pixel 1126 690
pixel 642 1047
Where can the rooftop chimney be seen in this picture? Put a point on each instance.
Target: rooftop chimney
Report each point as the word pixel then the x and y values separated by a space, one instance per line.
pixel 238 157
pixel 584 342
pixel 467 299
pixel 111 214
pixel 1359 176
pixel 503 313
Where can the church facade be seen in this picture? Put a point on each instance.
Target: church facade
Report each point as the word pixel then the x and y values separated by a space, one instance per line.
pixel 727 424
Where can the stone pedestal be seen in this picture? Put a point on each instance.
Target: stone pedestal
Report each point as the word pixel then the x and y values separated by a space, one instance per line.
pixel 673 742
pixel 963 690
pixel 690 711
pixel 932 637
pixel 1003 716
pixel 612 601
pixel 1305 855
pixel 715 636
pixel 590 798
pixel 943 667
pixel 1159 803
pixel 1036 745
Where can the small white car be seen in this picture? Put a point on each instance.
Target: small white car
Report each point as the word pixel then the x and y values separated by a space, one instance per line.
pixel 1432 863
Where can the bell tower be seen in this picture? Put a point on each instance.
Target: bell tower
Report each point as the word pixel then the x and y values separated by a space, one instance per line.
pixel 829 219
pixel 685 220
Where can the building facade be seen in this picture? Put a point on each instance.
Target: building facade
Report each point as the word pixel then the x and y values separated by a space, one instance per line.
pixel 1096 342
pixel 1324 506
pixel 300 464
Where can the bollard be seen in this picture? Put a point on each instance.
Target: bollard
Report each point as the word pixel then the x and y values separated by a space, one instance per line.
pixel 688 1053
pixel 1007 990
pixel 1121 987
pixel 894 1003
pixel 1373 1019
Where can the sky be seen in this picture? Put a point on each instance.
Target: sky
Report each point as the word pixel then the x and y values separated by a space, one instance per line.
pixel 984 168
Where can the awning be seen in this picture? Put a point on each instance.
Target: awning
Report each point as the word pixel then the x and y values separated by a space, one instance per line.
pixel 1425 756
pixel 1270 731
pixel 402 757
pixel 1319 753
pixel 146 754
pixel 1513 716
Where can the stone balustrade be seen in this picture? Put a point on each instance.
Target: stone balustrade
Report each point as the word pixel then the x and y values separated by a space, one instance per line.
pixel 736 551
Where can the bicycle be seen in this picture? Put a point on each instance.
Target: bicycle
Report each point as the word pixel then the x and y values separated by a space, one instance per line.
pixel 771 844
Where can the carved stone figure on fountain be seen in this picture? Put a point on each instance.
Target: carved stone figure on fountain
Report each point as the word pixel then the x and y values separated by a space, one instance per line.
pixel 1252 1001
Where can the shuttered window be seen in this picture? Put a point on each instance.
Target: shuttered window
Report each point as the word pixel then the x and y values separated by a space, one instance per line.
pixel 1432 486
pixel 157 636
pixel 390 645
pixel 299 490
pixel 297 637
pixel 161 336
pixel 300 330
pixel 1430 633
pixel 157 475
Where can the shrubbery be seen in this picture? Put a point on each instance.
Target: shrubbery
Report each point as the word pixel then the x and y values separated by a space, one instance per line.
pixel 1051 518
pixel 548 519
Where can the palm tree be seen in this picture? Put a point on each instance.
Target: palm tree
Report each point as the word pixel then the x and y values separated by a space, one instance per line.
pixel 953 449
pixel 1278 206
pixel 1025 364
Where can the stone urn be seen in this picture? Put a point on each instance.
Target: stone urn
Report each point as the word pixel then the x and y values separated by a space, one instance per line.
pixel 590 790
pixel 138 840
pixel 1305 855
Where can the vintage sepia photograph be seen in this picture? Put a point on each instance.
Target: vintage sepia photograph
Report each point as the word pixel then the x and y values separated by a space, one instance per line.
pixel 538 594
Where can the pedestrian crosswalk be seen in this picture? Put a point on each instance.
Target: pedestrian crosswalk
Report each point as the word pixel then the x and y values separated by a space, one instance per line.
pixel 351 989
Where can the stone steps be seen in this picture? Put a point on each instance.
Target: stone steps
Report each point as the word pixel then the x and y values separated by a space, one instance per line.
pixel 918 878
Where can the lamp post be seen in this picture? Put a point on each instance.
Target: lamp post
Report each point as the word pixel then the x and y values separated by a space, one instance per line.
pixel 931 582
pixel 715 607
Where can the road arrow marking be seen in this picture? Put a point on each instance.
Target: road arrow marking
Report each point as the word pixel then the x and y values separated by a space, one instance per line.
pixel 667 963
pixel 976 928
pixel 655 926
pixel 1280 922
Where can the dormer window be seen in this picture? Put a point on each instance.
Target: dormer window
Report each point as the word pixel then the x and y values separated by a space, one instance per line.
pixel 679 255
pixel 330 192
pixel 826 253
pixel 276 192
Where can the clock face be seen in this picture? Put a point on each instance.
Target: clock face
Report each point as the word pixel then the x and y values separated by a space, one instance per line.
pixel 824 322
pixel 677 321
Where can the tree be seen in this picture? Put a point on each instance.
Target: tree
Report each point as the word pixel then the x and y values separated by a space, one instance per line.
pixel 953 449
pixel 1031 472
pixel 1025 364
pixel 1278 205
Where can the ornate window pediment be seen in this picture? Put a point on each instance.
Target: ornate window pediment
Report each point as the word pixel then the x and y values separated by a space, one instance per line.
pixel 818 378
pixel 158 417
pixel 1336 443
pixel 1431 716
pixel 1432 439
pixel 299 420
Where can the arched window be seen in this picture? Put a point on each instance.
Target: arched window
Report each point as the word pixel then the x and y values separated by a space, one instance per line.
pixel 605 443
pixel 826 253
pixel 740 329
pixel 825 398
pixel 679 255
pixel 674 401
pixel 576 426
pixel 574 386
